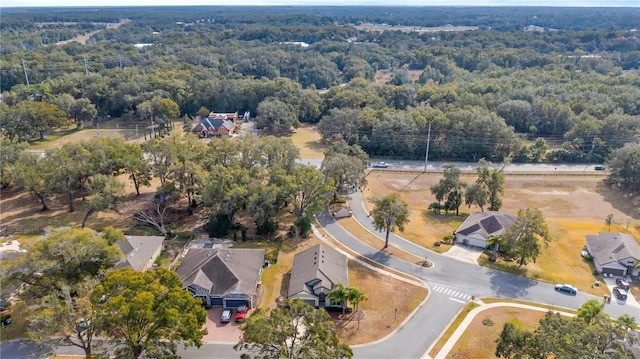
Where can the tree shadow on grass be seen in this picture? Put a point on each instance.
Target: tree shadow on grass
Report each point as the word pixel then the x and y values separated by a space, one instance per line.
pixel 623 202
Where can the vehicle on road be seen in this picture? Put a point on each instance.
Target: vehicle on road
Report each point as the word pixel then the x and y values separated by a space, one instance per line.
pixel 226 316
pixel 241 312
pixel 620 293
pixel 599 168
pixel 567 288
pixel 622 283
pixel 380 165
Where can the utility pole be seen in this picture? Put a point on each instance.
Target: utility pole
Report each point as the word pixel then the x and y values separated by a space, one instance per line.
pixel 26 76
pixel 120 59
pixel 426 155
pixel 86 69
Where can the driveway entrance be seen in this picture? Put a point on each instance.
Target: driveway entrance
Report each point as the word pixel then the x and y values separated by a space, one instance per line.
pixel 464 253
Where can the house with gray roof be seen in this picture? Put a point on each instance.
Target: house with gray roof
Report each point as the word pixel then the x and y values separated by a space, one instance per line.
pixel 140 252
pixel 216 124
pixel 614 253
pixel 479 226
pixel 315 272
pixel 223 277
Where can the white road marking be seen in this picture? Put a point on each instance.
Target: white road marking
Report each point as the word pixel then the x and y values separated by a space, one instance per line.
pixel 457 300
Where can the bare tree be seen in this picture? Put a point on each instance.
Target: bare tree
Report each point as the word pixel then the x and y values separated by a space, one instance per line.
pixel 155 216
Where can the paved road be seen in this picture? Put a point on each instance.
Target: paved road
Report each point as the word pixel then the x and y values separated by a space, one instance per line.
pixel 471 166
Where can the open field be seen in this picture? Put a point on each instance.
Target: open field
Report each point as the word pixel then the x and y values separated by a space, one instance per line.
pixel 307 139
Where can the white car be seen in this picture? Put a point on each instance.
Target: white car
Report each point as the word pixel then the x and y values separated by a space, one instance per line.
pixel 380 165
pixel 226 316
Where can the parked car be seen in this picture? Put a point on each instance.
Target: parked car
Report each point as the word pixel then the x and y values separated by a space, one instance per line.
pixel 622 283
pixel 226 316
pixel 599 168
pixel 241 312
pixel 620 293
pixel 380 165
pixel 567 288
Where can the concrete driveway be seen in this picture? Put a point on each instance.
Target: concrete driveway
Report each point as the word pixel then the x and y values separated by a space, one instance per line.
pixel 221 332
pixel 464 253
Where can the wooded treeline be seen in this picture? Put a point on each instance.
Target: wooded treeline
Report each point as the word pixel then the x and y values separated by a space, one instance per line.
pixel 567 95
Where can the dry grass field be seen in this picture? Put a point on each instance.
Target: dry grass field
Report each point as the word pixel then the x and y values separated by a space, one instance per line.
pixel 308 140
pixel 472 345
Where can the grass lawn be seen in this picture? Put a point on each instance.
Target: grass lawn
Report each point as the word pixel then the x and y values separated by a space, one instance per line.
pixel 472 346
pixel 307 139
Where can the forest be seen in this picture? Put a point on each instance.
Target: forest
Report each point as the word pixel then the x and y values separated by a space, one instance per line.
pixel 528 84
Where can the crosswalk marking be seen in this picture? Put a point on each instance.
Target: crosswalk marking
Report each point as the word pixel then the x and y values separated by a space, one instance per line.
pixel 450 292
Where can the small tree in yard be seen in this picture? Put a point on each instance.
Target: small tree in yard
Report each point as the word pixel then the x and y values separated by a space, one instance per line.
pixel 609 220
pixel 388 213
pixel 104 190
pixel 524 239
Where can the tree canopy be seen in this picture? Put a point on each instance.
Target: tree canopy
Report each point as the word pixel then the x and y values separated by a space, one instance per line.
pixel 296 331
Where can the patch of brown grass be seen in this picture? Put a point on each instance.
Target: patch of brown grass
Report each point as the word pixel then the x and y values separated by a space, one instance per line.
pixel 358 231
pixel 308 140
pixel 472 346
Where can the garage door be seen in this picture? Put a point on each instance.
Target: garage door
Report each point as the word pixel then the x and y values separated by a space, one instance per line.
pixel 216 302
pixel 476 243
pixel 618 272
pixel 235 303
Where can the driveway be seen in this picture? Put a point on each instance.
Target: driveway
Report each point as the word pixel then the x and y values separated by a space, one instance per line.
pixel 221 332
pixel 464 253
pixel 631 300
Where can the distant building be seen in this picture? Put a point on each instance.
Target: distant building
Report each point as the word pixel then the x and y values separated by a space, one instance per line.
pixel 216 124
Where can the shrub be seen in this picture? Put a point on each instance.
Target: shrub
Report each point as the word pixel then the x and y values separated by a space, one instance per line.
pixel 218 225
pixel 448 238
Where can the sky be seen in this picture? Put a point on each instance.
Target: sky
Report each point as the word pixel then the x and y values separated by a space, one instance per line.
pixel 95 3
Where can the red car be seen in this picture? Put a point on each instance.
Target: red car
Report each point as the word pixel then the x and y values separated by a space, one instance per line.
pixel 241 312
